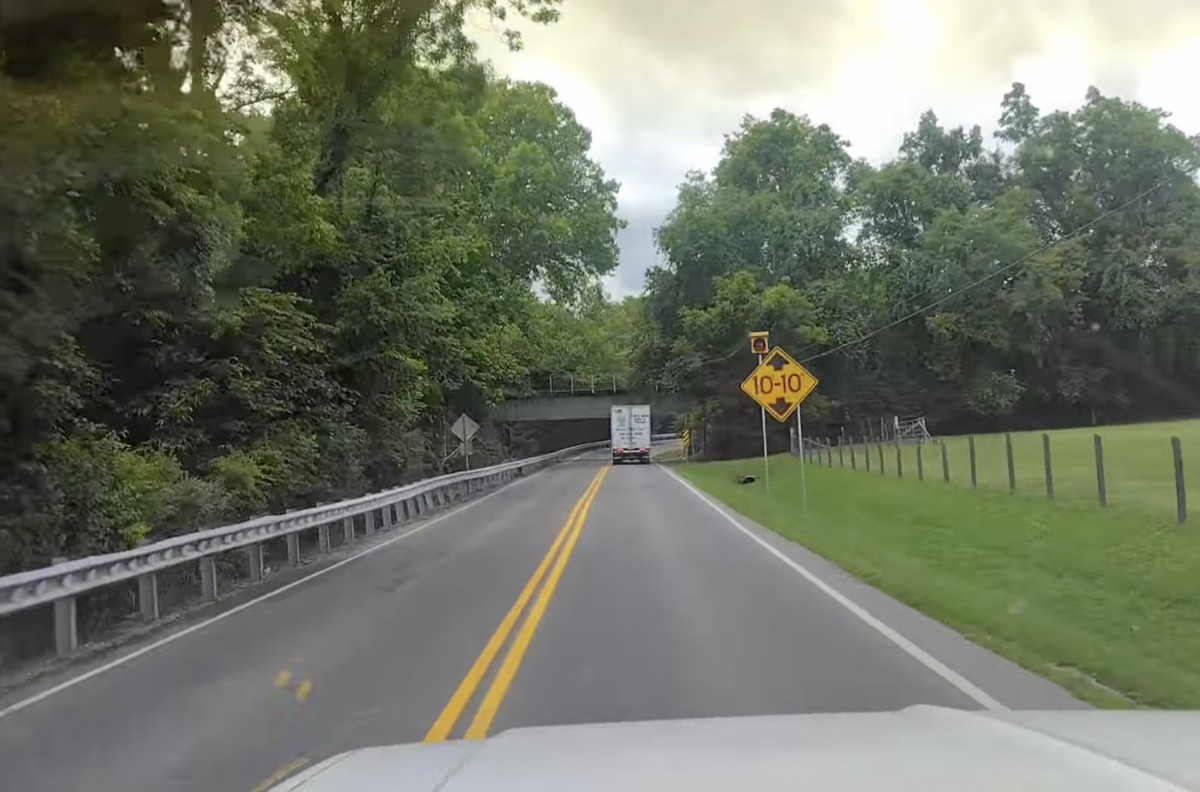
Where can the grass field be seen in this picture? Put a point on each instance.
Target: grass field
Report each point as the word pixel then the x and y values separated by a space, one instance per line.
pixel 1106 602
pixel 1139 471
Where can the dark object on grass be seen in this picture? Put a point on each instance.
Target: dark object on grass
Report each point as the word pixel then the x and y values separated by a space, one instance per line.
pixel 746 479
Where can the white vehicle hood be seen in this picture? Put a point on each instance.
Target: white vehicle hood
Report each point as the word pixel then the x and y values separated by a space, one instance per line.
pixel 922 749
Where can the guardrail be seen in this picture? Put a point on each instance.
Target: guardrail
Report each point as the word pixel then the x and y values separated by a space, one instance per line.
pixel 571 385
pixel 61 583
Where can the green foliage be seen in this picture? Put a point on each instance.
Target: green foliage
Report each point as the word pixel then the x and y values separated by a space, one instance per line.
pixel 116 496
pixel 264 274
pixel 1103 322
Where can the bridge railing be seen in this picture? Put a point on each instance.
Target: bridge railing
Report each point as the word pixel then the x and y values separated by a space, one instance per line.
pixel 578 385
pixel 568 384
pixel 63 582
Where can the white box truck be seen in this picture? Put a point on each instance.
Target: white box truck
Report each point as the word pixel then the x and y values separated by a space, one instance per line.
pixel 631 433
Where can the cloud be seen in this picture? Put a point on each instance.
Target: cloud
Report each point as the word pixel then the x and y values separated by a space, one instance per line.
pixel 660 83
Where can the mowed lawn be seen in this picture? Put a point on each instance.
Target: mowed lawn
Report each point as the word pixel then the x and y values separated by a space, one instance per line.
pixel 1138 467
pixel 1106 602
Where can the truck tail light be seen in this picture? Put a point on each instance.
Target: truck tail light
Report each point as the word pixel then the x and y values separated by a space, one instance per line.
pixel 643 450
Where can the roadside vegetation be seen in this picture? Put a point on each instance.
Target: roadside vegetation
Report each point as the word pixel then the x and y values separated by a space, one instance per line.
pixel 1101 601
pixel 256 255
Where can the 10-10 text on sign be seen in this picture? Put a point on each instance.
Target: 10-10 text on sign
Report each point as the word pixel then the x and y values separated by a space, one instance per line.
pixel 779 384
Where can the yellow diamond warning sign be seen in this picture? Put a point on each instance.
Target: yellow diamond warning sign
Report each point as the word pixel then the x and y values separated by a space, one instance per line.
pixel 779 384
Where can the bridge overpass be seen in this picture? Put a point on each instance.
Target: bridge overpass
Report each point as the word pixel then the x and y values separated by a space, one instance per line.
pixel 570 398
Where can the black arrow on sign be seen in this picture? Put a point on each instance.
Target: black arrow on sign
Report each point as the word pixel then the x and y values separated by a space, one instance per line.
pixel 777 362
pixel 781 405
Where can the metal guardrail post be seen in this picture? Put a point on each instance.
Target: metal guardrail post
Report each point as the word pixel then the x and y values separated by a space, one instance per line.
pixel 324 547
pixel 66 622
pixel 293 549
pixel 66 626
pixel 348 530
pixel 148 596
pixel 369 517
pixel 254 562
pixel 208 578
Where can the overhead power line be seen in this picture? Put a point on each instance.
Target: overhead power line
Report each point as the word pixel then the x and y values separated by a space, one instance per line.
pixel 995 273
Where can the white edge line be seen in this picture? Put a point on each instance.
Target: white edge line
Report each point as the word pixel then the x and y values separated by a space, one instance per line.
pixel 920 655
pixel 54 690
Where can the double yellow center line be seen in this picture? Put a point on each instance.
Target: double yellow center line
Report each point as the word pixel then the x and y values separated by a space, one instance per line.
pixel 564 542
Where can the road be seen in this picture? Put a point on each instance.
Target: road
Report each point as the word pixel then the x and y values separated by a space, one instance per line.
pixel 658 606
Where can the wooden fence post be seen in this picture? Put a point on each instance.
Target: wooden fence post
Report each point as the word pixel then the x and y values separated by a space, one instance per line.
pixel 1049 470
pixel 1012 473
pixel 1101 484
pixel 1180 490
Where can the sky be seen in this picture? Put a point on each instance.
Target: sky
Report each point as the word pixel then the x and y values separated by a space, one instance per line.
pixel 660 82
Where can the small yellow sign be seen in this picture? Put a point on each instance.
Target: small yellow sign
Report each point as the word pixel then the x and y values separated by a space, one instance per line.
pixel 779 384
pixel 759 343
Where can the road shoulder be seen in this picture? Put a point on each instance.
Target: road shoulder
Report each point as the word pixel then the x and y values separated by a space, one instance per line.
pixel 1010 684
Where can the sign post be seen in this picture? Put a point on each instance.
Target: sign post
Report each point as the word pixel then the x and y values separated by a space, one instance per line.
pixel 464 429
pixel 779 384
pixel 803 474
pixel 759 344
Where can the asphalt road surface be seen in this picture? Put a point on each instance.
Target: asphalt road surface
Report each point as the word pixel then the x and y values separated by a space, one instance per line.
pixel 586 593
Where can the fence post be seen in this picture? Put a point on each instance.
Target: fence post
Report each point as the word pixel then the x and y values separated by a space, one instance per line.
pixel 867 455
pixel 842 451
pixel 1049 470
pixel 880 447
pixel 853 461
pixel 920 463
pixel 829 450
pixel 1180 490
pixel 971 448
pixel 1101 485
pixel 899 459
pixel 945 464
pixel 1012 473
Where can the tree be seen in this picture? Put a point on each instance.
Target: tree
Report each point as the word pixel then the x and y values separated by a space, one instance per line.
pixel 264 274
pixel 1041 282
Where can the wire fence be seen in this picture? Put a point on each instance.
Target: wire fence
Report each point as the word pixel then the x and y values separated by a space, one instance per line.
pixel 1138 466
